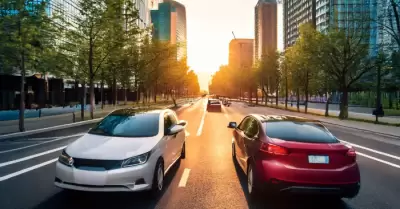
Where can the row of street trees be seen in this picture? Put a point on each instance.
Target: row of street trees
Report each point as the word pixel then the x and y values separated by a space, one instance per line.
pixel 101 44
pixel 317 64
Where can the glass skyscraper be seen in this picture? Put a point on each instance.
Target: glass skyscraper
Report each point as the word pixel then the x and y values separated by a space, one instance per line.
pixel 169 24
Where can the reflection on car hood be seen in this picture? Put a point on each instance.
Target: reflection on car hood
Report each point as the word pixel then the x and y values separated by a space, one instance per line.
pixel 92 146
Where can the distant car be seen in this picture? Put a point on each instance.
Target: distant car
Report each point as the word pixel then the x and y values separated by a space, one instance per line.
pixel 214 105
pixel 127 151
pixel 285 154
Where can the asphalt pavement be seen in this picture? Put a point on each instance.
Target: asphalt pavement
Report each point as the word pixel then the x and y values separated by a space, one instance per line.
pixel 207 178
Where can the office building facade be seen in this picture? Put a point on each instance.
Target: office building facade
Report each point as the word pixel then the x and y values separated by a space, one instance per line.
pixel 266 28
pixel 169 24
pixel 241 54
pixel 295 13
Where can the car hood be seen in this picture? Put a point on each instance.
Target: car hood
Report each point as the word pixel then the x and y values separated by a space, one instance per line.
pixel 92 146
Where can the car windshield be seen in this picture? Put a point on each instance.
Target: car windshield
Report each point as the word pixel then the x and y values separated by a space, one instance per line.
pixel 128 125
pixel 298 131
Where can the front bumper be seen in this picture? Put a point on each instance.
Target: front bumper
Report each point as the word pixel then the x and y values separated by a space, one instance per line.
pixel 130 179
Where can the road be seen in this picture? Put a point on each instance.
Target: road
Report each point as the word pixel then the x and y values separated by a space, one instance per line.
pixel 211 179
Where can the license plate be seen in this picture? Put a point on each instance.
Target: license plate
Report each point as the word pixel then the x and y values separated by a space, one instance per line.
pixel 317 159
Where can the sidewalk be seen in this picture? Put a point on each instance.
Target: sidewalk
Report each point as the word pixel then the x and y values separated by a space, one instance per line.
pixel 378 128
pixel 11 126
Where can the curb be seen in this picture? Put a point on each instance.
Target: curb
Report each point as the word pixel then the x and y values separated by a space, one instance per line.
pixel 69 125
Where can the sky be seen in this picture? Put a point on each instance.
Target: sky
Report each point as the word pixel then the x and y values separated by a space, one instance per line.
pixel 209 30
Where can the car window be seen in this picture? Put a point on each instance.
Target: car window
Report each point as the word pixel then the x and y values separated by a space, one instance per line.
pixel 252 128
pixel 298 131
pixel 138 125
pixel 242 126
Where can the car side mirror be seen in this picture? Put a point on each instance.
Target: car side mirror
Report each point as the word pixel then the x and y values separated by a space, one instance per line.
pixel 182 123
pixel 175 129
pixel 232 125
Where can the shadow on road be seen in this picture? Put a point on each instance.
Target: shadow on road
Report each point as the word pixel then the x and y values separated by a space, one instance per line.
pixel 310 202
pixel 100 200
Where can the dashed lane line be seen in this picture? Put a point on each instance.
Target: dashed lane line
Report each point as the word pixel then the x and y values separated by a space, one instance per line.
pixel 11 175
pixel 184 178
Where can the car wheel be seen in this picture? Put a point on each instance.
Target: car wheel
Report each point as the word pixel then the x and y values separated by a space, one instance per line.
pixel 183 152
pixel 252 190
pixel 158 179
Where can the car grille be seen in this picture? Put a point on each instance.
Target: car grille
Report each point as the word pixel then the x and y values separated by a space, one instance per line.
pixel 106 164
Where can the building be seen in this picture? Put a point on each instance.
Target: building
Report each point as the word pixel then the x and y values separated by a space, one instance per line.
pixel 266 28
pixel 295 13
pixel 241 53
pixel 169 24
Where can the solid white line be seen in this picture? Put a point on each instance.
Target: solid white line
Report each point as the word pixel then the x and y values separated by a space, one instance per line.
pixel 31 156
pixel 379 160
pixel 34 145
pixel 372 150
pixel 3 178
pixel 202 122
pixel 184 178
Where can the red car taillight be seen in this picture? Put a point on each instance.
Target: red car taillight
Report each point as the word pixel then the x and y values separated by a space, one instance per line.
pixel 351 153
pixel 273 149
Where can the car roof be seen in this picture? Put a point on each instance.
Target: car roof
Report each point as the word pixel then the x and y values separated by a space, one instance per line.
pixel 270 118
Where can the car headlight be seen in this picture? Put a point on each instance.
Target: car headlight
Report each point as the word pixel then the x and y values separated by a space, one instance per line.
pixel 137 160
pixel 66 159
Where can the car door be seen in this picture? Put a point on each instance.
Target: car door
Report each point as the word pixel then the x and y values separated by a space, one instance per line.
pixel 250 139
pixel 168 139
pixel 239 142
pixel 177 139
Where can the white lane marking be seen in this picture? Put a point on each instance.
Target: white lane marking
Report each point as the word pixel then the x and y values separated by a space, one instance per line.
pixel 184 178
pixel 3 178
pixel 187 133
pixel 202 121
pixel 379 160
pixel 372 150
pixel 31 156
pixel 34 145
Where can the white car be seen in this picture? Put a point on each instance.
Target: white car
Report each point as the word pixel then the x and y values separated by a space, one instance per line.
pixel 126 151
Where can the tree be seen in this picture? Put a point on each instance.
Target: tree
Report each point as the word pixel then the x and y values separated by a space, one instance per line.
pixel 268 73
pixel 26 30
pixel 345 57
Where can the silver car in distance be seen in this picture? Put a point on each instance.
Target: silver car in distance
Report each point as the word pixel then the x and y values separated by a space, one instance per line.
pixel 127 151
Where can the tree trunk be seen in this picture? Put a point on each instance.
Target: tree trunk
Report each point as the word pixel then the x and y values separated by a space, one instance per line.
pixel 298 99
pixel 378 92
pixel 328 98
pixel 22 95
pixel 83 100
pixel 115 91
pixel 344 114
pixel 390 100
pixel 102 94
pixel 306 91
pixel 256 95
pixel 262 96
pixel 125 96
pixel 92 104
pixel 286 89
pixel 155 93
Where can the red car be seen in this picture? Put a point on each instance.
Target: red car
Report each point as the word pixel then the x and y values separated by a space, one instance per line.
pixel 286 154
pixel 214 105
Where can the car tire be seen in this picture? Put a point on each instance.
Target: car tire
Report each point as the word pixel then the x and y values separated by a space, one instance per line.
pixel 251 181
pixel 158 179
pixel 183 152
